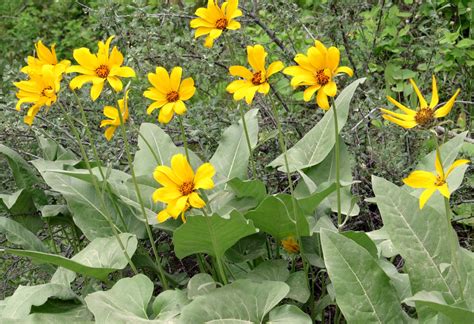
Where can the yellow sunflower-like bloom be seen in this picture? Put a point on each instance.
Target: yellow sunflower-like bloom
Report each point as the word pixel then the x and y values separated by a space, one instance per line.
pixel 255 80
pixel 113 114
pixel 213 20
pixel 98 68
pixel 290 245
pixel 45 56
pixel 169 93
pixel 431 181
pixel 180 186
pixel 424 115
pixel 317 70
pixel 40 90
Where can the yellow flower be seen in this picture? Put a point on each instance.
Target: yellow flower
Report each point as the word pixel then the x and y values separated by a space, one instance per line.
pixel 290 245
pixel 99 68
pixel 317 70
pixel 255 80
pixel 213 20
pixel 180 186
pixel 40 90
pixel 169 93
pixel 44 56
pixel 113 114
pixel 424 115
pixel 431 181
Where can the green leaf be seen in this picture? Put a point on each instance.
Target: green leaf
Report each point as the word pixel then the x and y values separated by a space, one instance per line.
pixel 288 314
pixel 422 238
pixel 19 203
pixel 275 216
pixel 210 234
pixel 17 234
pixel 101 257
pixel 318 142
pixel 363 290
pixel 52 151
pixel 248 248
pixel 22 171
pixel 200 284
pixel 436 302
pixel 19 304
pixel 363 240
pixel 299 289
pixel 155 148
pixel 310 203
pixel 168 305
pixel 232 155
pixel 243 301
pixel 126 302
pixel 248 188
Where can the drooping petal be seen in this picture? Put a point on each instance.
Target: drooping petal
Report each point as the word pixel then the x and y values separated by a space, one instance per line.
pixel 425 195
pixel 155 105
pixel 163 216
pixel 275 67
pixel 344 69
pixel 110 112
pixel 175 78
pixel 434 94
pixel 181 168
pixel 322 100
pixel 330 88
pixel 187 89
pixel 250 94
pixel 201 31
pixel 166 113
pixel 109 132
pixel 446 108
pixel 96 90
pixel 79 81
pixel 236 85
pixel 420 179
pixel 309 92
pixel 115 83
pixel 196 201
pixel 403 108
pixel 213 34
pixel 203 177
pixel 444 190
pixel 179 107
pixel 403 123
pixel 422 100
pixel 456 164
pixel 241 71
pixel 264 88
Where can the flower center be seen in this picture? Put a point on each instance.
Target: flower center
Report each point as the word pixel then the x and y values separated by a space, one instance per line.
pixel 424 116
pixel 47 92
pixel 439 181
pixel 257 78
pixel 290 245
pixel 102 71
pixel 221 23
pixel 187 188
pixel 172 96
pixel 322 78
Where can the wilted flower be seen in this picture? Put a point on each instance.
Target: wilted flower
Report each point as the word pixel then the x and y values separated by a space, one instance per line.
pixel 317 70
pixel 213 20
pixel 99 68
pixel 290 245
pixel 255 80
pixel 424 115
pixel 113 114
pixel 180 186
pixel 432 181
pixel 169 93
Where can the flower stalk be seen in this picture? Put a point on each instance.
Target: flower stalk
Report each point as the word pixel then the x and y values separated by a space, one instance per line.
pixel 338 175
pixel 247 138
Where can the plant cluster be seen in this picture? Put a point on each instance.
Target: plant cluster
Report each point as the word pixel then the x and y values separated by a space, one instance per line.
pixel 260 256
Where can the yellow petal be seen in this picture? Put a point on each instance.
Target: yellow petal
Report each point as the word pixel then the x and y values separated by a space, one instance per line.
pixel 256 56
pixel 304 63
pixel 186 89
pixel 80 69
pixel 420 179
pixel 167 194
pixel 213 34
pixel 344 69
pixel 241 71
pixel 275 67
pixel 111 112
pixel 160 80
pixel 154 94
pixel 396 115
pixel 155 105
pixel 163 216
pixel 250 94
pixel 181 168
pixel 199 22
pixel 79 81
pixel 96 90
pixel 233 25
pixel 425 195
pixel 109 132
pixel 116 58
pixel 403 123
pixel 317 58
pixel 309 92
pixel 322 100
pixel 175 78
pixel 264 88
pixel 115 83
pixel 196 201
pixel 201 31
pixel 44 54
pixel 179 107
pixel 330 89
pixel 84 57
pixel 456 164
pixel 422 100
pixel 320 47
pixel 434 94
pixel 166 113
pixel 236 85
pixel 164 175
pixel 444 190
pixel 403 108
pixel 203 177
pixel 446 109
pixel 122 71
pixel 439 165
pixel 333 58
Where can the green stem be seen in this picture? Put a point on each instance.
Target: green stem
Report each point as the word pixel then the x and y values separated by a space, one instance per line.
pixel 183 135
pixel 68 238
pixel 53 243
pixel 96 186
pixel 338 176
pixel 247 138
pixel 161 273
pixel 220 267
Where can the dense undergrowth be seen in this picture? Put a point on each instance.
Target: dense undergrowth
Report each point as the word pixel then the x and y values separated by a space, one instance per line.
pixel 387 43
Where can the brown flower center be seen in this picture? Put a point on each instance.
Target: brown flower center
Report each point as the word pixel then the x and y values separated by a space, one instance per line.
pixel 257 78
pixel 172 96
pixel 187 188
pixel 424 116
pixel 221 23
pixel 47 92
pixel 102 71
pixel 322 78
pixel 439 181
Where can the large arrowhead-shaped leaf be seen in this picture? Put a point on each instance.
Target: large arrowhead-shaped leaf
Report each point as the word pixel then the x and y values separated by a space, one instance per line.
pixel 363 290
pixel 101 257
pixel 288 314
pixel 232 155
pixel 17 234
pixel 126 302
pixel 243 301
pixel 22 171
pixel 421 236
pixel 53 151
pixel 318 142
pixel 210 234
pixel 167 305
pixel 19 304
pixel 18 203
pixel 275 216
